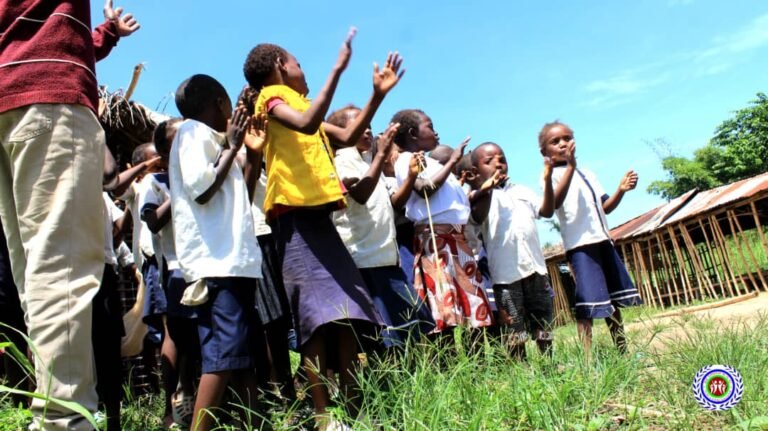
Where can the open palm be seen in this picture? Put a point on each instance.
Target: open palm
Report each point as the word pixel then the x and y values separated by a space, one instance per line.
pixel 386 78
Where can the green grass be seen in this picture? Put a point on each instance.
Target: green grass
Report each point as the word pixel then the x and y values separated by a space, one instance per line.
pixel 488 391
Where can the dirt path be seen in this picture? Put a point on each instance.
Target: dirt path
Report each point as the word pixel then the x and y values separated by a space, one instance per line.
pixel 660 332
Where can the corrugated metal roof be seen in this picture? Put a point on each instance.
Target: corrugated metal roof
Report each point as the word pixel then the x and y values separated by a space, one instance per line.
pixel 689 205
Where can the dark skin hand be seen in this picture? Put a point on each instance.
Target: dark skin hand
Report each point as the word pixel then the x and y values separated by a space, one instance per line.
pixel 400 197
pixel 428 188
pixel 361 189
pixel 236 131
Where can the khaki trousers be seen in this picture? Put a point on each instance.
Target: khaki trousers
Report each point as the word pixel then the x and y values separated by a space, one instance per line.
pixel 51 207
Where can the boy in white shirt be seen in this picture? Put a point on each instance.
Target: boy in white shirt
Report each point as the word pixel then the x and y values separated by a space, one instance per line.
pixel 215 240
pixel 506 213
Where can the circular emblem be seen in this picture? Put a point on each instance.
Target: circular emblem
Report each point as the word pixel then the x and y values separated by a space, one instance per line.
pixel 718 387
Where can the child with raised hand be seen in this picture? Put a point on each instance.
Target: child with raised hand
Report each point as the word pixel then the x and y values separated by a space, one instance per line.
pixel 215 242
pixel 454 288
pixel 602 282
pixel 325 289
pixel 506 213
pixel 367 227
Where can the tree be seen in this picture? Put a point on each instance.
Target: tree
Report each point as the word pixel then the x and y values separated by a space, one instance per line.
pixel 739 149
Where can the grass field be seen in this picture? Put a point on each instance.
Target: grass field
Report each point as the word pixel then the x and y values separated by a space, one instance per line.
pixel 485 390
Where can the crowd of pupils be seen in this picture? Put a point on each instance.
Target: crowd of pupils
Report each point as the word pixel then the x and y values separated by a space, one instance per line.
pixel 272 218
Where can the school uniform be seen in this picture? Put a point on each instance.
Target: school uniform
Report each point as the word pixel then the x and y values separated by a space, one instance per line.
pixel 602 280
pixel 516 263
pixel 271 300
pixel 454 291
pixel 368 232
pixel 321 280
pixel 150 265
pixel 216 243
pixel 180 318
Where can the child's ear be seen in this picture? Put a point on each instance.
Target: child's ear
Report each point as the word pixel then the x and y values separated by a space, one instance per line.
pixel 280 63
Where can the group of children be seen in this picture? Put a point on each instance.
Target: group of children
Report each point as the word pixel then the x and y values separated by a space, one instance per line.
pixel 256 219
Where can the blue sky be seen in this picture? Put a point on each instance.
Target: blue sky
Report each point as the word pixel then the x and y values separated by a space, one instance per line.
pixel 620 73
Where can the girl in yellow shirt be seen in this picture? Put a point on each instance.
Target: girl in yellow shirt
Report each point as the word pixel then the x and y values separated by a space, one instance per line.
pixel 327 294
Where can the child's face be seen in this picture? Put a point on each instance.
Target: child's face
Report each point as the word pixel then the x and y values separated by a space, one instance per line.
pixel 555 141
pixel 490 158
pixel 366 139
pixel 426 138
pixel 151 153
pixel 293 76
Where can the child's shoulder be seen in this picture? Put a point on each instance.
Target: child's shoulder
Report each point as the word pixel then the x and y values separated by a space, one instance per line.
pixel 282 92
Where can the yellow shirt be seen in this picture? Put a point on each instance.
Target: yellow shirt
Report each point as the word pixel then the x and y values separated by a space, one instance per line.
pixel 300 170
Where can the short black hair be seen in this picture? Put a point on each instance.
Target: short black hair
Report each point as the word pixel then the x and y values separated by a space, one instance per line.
pixel 260 63
pixel 197 93
pixel 546 128
pixel 408 119
pixel 466 162
pixel 475 155
pixel 160 135
pixel 139 154
pixel 339 117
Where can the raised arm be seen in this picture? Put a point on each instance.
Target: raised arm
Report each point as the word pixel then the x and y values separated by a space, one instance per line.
pixel 629 182
pixel 156 218
pixel 480 199
pixel 105 36
pixel 362 189
pixel 400 197
pixel 383 81
pixel 429 187
pixel 235 134
pixel 254 146
pixel 565 182
pixel 309 122
pixel 548 203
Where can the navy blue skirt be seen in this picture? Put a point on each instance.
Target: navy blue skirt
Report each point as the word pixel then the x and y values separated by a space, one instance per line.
pixel 405 314
pixel 602 281
pixel 321 280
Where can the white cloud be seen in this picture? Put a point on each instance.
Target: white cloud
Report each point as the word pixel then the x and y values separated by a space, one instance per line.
pixel 720 55
pixel 617 89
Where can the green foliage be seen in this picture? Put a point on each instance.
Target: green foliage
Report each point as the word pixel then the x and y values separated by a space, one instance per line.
pixel 461 387
pixel 738 150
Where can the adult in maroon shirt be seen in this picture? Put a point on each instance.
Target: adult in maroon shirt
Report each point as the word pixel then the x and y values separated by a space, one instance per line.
pixel 51 166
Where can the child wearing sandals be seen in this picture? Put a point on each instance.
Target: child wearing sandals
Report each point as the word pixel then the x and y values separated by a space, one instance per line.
pixel 367 227
pixel 453 290
pixel 506 213
pixel 602 282
pixel 327 293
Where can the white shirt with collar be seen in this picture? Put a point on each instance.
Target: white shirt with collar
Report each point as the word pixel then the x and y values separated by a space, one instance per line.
pixel 510 234
pixel 215 239
pixel 141 237
pixel 368 230
pixel 582 219
pixel 448 205
pixel 157 193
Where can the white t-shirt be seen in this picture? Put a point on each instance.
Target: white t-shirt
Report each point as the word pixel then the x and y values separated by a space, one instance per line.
pixel 215 239
pixel 142 236
pixel 156 194
pixel 367 230
pixel 510 235
pixel 111 214
pixel 257 208
pixel 582 219
pixel 448 205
